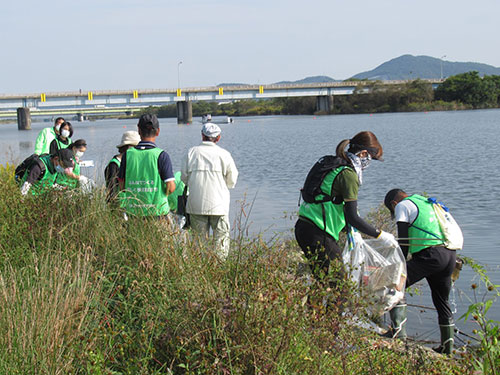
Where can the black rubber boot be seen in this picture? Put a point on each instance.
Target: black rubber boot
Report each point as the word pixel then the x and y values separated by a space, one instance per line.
pixel 447 339
pixel 398 323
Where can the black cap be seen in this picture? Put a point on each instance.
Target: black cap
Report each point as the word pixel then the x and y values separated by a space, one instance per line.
pixel 65 157
pixel 148 120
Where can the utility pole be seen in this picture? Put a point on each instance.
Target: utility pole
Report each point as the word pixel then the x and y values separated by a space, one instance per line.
pixel 442 57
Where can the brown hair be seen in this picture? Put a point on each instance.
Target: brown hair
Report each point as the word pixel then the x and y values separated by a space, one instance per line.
pixel 364 140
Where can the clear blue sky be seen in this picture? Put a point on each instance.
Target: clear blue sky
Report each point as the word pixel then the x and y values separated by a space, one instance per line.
pixel 66 45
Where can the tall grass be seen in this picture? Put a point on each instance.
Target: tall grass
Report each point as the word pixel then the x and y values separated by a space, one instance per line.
pixel 82 291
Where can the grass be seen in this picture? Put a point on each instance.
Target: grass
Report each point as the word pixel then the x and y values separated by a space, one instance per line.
pixel 84 292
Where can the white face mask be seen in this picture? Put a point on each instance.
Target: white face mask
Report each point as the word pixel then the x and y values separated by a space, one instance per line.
pixel 65 133
pixel 58 126
pixel 79 154
pixel 365 162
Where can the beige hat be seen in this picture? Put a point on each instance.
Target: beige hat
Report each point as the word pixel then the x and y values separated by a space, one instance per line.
pixel 130 137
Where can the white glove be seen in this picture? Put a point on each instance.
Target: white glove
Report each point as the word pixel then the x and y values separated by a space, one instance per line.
pixel 25 188
pixel 387 239
pixel 83 180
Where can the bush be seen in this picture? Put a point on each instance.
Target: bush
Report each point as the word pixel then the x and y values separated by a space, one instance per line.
pixel 84 292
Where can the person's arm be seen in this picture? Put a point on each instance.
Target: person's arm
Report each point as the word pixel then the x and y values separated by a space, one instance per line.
pixel 166 172
pixel 353 219
pixel 403 233
pixel 40 142
pixel 231 173
pixel 121 172
pixel 34 175
pixel 53 147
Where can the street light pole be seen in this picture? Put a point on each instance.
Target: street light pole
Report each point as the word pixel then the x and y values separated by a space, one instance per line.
pixel 442 57
pixel 178 75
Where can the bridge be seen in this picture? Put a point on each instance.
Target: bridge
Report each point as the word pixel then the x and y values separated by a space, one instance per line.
pixel 129 101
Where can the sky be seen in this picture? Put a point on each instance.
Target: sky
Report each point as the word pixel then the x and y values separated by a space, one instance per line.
pixel 68 45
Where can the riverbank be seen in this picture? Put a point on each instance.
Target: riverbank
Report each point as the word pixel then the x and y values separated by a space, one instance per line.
pixel 82 291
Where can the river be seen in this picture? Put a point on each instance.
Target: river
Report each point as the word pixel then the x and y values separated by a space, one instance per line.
pixel 449 155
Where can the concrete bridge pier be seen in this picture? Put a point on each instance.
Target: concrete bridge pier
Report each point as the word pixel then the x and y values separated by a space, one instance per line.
pixel 184 112
pixel 324 104
pixel 23 119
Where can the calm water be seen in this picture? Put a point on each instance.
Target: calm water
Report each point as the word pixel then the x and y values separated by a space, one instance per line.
pixel 450 155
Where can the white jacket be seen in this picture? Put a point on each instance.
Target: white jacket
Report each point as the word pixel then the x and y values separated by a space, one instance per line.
pixel 209 172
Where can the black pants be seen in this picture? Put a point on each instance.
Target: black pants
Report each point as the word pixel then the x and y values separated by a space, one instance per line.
pixel 436 264
pixel 318 246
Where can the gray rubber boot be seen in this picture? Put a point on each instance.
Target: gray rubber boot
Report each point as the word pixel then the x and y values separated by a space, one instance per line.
pixel 398 319
pixel 398 323
pixel 447 339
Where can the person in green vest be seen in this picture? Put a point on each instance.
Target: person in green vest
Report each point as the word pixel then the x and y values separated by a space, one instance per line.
pixel 320 223
pixel 146 177
pixel 62 139
pixel 71 178
pixel 41 175
pixel 46 136
pixel 420 235
pixel 129 139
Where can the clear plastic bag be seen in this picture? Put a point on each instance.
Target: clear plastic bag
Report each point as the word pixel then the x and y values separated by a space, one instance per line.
pixel 378 270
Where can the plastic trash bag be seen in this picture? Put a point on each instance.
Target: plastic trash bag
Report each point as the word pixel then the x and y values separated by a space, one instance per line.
pixel 378 270
pixel 453 237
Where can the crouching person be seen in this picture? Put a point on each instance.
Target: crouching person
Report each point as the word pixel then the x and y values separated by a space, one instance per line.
pixel 38 173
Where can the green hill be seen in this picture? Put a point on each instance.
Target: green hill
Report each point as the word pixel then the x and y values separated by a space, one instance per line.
pixel 411 67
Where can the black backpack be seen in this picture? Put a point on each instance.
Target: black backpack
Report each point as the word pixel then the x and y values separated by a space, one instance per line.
pixel 27 164
pixel 315 177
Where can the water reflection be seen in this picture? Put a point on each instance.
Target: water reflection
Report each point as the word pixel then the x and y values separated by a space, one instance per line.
pixel 26 145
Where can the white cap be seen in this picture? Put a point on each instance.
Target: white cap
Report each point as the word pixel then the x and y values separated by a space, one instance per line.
pixel 210 130
pixel 130 137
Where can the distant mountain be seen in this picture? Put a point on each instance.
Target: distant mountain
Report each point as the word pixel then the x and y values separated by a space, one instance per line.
pixel 315 79
pixel 411 67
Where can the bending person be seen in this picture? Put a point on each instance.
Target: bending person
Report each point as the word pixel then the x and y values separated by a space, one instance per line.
pixel 421 236
pixel 319 224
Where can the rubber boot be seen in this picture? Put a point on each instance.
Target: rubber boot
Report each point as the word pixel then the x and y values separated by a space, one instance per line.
pixel 447 339
pixel 398 323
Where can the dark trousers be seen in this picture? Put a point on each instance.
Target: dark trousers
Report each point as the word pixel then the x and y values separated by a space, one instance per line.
pixel 319 247
pixel 435 264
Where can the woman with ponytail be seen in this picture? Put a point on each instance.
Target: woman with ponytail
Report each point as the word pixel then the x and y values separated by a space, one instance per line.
pixel 336 203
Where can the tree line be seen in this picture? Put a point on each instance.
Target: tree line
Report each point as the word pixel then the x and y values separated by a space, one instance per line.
pixel 463 91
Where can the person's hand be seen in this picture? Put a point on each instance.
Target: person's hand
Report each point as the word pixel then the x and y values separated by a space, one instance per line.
pixel 387 239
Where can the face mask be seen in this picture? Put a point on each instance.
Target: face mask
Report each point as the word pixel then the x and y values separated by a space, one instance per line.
pixel 59 169
pixel 365 162
pixel 58 126
pixel 65 133
pixel 79 154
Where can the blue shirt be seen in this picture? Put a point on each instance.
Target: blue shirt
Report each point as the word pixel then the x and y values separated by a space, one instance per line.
pixel 164 163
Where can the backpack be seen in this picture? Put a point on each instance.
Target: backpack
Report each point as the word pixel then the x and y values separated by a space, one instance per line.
pixel 315 177
pixel 453 237
pixel 26 165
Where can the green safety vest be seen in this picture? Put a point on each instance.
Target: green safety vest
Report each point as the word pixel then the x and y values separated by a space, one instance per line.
pixel 326 213
pixel 145 192
pixel 179 190
pixel 64 180
pixel 47 179
pixel 61 145
pixel 115 160
pixel 426 226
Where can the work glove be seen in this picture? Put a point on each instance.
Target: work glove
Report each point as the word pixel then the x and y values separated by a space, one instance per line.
pixel 387 239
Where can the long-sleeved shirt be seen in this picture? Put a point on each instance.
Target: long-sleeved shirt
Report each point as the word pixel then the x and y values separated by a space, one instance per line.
pixel 43 141
pixel 209 172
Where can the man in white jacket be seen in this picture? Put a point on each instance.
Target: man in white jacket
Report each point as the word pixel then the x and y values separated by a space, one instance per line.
pixel 209 172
